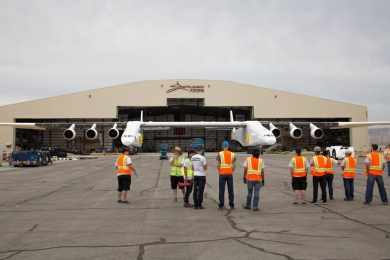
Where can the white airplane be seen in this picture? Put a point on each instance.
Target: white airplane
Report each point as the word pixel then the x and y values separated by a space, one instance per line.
pixel 247 133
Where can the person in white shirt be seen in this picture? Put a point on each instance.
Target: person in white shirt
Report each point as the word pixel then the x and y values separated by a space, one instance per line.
pixel 125 169
pixel 199 167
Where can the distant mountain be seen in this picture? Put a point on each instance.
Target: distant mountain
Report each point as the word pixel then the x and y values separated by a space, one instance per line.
pixel 379 136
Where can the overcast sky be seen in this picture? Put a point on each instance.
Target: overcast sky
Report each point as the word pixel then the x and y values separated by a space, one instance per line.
pixel 332 49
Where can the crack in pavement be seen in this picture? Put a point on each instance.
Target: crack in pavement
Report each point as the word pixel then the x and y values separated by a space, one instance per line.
pixel 286 232
pixel 264 250
pixel 387 233
pixel 33 228
pixel 11 255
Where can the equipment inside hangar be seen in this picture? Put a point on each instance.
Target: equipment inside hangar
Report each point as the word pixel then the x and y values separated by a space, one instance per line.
pixel 177 109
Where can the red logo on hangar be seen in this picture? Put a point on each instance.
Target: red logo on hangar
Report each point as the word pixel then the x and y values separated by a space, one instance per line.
pixel 188 88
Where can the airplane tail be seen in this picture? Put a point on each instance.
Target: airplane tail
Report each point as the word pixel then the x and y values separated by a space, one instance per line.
pixel 231 116
pixel 142 116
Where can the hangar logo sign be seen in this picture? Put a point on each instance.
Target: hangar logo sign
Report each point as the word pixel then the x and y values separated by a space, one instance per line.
pixel 188 88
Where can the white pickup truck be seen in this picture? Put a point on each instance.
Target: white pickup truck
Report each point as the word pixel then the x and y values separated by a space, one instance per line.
pixel 338 151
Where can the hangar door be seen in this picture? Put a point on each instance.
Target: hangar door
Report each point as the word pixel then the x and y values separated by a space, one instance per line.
pixel 184 110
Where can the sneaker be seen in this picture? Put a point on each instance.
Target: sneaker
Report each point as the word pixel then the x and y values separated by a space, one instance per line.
pixel 119 201
pixel 255 209
pixel 187 205
pixel 246 207
pixel 201 207
pixel 295 203
pixel 221 207
pixel 231 207
pixel 196 207
pixel 125 201
pixel 331 198
pixel 303 202
pixel 366 203
pixel 345 199
pixel 313 202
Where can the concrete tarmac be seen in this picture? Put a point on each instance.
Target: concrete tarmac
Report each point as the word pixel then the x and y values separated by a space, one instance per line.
pixel 69 211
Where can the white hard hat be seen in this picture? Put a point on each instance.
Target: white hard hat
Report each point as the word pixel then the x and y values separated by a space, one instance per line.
pixel 317 149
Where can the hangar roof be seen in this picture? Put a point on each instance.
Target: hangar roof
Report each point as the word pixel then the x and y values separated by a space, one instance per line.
pixel 103 102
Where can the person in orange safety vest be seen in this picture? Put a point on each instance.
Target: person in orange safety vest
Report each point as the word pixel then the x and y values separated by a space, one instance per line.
pixel 375 166
pixel 318 171
pixel 254 178
pixel 348 165
pixel 299 167
pixel 225 165
pixel 124 170
pixel 329 173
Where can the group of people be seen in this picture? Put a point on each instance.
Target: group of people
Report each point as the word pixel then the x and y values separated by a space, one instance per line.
pixel 322 168
pixel 188 174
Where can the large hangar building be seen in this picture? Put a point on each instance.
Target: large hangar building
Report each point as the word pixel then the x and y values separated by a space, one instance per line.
pixel 179 100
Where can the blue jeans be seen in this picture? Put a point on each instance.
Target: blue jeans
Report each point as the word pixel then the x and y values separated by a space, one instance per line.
pixel 371 179
pixel 348 187
pixel 199 184
pixel 229 180
pixel 253 189
pixel 388 168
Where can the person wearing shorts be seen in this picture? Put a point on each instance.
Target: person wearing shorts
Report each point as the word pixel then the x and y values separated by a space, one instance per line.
pixel 125 169
pixel 299 167
pixel 177 172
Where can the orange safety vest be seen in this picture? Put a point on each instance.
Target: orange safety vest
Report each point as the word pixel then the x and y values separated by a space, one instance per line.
pixel 349 167
pixel 226 163
pixel 387 155
pixel 329 166
pixel 299 166
pixel 319 168
pixel 376 163
pixel 123 168
pixel 254 169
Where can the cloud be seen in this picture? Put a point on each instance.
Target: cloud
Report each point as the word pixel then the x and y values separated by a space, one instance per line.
pixel 332 49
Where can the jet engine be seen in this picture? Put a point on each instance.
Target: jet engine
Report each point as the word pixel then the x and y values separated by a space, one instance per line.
pixel 275 131
pixel 70 133
pixel 91 133
pixel 316 132
pixel 113 133
pixel 295 132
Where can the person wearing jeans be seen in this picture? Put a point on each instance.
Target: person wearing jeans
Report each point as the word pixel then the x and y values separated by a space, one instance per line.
pixel 375 168
pixel 371 179
pixel 225 166
pixel 318 165
pixel 329 174
pixel 254 178
pixel 199 167
pixel 253 192
pixel 348 165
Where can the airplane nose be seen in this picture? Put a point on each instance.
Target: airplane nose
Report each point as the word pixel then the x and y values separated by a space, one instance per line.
pixel 128 141
pixel 271 140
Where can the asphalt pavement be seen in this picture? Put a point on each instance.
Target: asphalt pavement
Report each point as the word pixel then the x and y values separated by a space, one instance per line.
pixel 69 211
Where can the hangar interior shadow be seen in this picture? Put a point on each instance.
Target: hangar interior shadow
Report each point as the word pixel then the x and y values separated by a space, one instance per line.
pixel 176 110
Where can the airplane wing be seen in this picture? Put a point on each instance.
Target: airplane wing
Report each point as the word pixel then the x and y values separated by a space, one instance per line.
pixel 23 125
pixel 361 124
pixel 331 125
pixel 44 126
